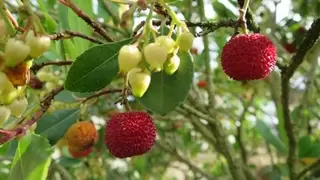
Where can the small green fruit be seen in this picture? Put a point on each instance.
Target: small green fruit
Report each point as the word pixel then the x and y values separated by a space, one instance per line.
pixel 185 41
pixel 44 76
pixel 38 44
pixel 15 52
pixel 129 57
pixel 155 54
pixel 4 114
pixel 4 82
pixel 172 65
pixel 167 42
pixel 18 107
pixel 139 81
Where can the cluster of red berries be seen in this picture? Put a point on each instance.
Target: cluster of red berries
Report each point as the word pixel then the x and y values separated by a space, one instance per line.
pixel 126 135
pixel 15 61
pixel 159 55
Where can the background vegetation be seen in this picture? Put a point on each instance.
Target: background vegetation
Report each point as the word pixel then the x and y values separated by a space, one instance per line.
pixel 266 129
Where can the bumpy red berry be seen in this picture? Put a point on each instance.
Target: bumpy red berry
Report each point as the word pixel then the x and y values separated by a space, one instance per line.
pixel 167 42
pixel 185 41
pixel 130 134
pixel 139 82
pixel 38 44
pixel 129 57
pixel 248 57
pixel 155 54
pixel 81 136
pixel 11 55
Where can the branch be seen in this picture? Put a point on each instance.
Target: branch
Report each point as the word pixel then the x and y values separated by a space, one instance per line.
pixel 70 34
pixel 111 11
pixel 36 67
pixel 286 74
pixel 239 130
pixel 96 26
pixel 182 159
pixel 310 39
pixel 102 93
pixel 307 169
pixel 8 135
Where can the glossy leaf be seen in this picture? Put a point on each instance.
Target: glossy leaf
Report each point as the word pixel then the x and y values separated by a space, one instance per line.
pixel 54 125
pixel 166 92
pixel 32 158
pixel 95 68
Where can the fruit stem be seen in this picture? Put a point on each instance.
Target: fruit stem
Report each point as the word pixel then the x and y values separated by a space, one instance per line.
pixel 6 19
pixel 242 18
pixel 171 29
pixel 146 31
pixel 175 18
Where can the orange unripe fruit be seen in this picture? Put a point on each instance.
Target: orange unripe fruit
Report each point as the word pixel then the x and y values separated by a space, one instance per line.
pixel 81 136
pixel 79 154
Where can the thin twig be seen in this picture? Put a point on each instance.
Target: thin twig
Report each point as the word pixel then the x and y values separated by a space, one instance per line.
pixel 183 160
pixel 286 74
pixel 36 67
pixel 96 26
pixel 109 91
pixel 67 34
pixel 307 169
pixel 8 135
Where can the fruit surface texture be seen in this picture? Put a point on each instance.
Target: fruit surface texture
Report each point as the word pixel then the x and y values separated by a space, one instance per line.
pixel 248 57
pixel 130 134
pixel 81 136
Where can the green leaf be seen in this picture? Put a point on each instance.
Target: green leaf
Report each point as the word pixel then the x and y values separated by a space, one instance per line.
pixel 32 158
pixel 166 92
pixel 95 68
pixel 270 137
pixel 54 125
pixel 308 147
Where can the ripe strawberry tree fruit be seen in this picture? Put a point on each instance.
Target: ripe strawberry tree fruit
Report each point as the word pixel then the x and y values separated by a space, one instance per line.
pixel 202 84
pixel 130 134
pixel 18 106
pixel 172 65
pixel 139 81
pixel 38 44
pixel 129 57
pixel 167 42
pixel 81 136
pixel 185 41
pixel 11 56
pixel 4 114
pixel 155 54
pixel 255 61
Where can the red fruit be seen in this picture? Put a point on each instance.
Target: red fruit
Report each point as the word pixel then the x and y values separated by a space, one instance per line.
pixel 291 48
pixel 130 134
pixel 202 84
pixel 301 30
pixel 248 57
pixel 80 154
pixel 194 51
pixel 35 83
